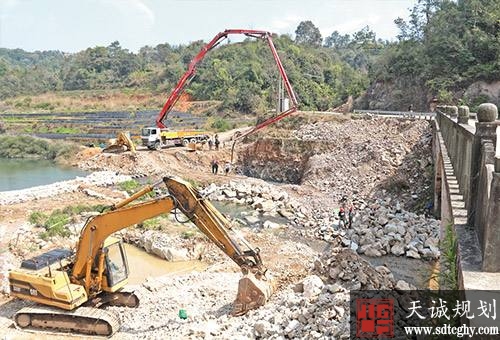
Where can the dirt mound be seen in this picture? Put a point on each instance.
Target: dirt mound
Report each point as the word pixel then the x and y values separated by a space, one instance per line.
pixel 86 153
pixel 172 161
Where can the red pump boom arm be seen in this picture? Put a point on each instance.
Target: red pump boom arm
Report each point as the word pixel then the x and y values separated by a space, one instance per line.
pixel 189 74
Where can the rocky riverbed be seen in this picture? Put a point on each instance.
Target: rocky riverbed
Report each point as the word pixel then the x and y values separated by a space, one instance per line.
pixel 379 228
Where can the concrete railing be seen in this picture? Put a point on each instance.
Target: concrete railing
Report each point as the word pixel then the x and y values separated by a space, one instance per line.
pixel 471 167
pixel 401 114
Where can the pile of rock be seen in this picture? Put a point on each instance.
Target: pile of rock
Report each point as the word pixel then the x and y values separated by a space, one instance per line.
pixel 311 310
pixel 380 154
pixel 315 308
pixel 165 246
pixel 265 200
pixel 345 267
pixel 383 228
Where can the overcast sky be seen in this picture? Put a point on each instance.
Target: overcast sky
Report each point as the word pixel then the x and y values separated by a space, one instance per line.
pixel 73 25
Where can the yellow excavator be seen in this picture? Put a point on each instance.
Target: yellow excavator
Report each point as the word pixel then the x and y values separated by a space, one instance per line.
pixel 122 142
pixel 69 286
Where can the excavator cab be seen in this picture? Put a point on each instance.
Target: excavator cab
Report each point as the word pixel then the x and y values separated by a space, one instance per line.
pixel 116 265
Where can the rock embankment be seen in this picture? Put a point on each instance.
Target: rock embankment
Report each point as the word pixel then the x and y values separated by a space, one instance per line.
pixel 99 178
pixel 384 228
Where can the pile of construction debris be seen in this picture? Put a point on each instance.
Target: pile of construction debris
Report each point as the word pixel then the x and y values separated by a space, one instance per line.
pixel 383 228
pixel 370 156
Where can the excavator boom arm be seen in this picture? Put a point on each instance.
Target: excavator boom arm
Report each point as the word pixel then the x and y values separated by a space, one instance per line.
pixel 183 196
pixel 98 228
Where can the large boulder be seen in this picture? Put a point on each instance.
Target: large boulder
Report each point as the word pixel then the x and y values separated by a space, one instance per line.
pixel 312 286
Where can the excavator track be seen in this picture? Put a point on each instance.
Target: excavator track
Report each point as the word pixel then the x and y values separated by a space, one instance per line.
pixel 83 320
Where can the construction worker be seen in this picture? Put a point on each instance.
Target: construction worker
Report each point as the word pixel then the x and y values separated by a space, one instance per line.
pixel 227 168
pixel 343 202
pixel 215 166
pixel 350 216
pixel 342 220
pixel 217 142
pixel 342 212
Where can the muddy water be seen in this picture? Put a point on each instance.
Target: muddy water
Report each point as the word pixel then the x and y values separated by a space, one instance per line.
pixel 143 265
pixel 416 272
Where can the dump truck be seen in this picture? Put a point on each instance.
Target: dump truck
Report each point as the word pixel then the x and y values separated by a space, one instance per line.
pixel 155 138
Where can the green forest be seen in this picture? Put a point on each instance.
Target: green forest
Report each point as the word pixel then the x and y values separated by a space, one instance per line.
pixel 442 49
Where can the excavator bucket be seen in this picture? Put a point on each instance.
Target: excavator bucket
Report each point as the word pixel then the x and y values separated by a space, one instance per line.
pixel 122 143
pixel 252 293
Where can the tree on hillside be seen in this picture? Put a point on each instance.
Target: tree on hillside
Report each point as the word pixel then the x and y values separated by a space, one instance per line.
pixel 336 40
pixel 308 34
pixel 420 17
pixel 365 37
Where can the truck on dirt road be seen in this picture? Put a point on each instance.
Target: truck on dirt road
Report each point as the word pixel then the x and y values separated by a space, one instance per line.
pixel 155 138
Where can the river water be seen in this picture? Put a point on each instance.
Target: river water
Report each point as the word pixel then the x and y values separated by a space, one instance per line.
pixel 24 173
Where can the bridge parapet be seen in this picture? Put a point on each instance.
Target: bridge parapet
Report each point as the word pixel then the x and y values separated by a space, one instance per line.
pixel 468 159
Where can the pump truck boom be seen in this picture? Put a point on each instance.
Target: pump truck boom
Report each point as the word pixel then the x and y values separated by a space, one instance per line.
pixel 156 137
pixel 61 282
